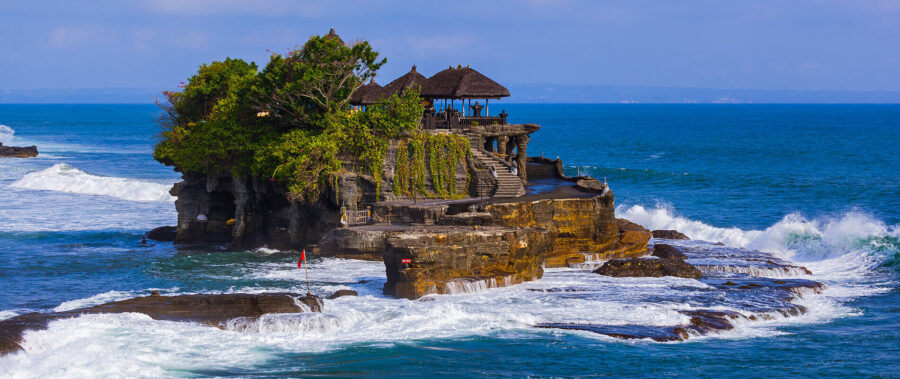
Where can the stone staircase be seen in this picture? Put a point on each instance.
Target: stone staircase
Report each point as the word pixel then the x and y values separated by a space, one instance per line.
pixel 508 185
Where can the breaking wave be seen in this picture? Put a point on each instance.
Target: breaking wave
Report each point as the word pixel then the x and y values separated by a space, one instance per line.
pixel 6 134
pixel 62 177
pixel 854 235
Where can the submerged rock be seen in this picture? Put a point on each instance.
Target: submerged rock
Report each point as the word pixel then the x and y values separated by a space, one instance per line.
pixel 670 235
pixel 210 309
pixel 342 293
pixel 18 152
pixel 664 251
pixel 637 267
pixel 162 233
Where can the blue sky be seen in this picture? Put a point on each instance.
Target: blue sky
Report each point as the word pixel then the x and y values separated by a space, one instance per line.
pixel 796 45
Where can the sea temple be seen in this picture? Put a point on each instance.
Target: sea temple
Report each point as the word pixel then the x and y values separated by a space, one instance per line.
pixel 494 217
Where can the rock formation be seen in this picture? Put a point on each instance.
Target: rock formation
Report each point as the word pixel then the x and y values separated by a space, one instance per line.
pixel 207 309
pixel 18 152
pixel 637 267
pixel 162 233
pixel 670 235
pixel 664 251
pixel 444 259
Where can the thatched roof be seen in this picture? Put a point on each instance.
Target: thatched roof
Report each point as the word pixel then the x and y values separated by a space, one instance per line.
pixel 331 34
pixel 462 83
pixel 409 79
pixel 368 94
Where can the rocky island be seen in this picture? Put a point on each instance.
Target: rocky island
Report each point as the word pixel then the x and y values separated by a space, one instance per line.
pixel 18 152
pixel 445 197
pixel 310 153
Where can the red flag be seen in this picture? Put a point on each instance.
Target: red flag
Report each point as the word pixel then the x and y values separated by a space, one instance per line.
pixel 302 258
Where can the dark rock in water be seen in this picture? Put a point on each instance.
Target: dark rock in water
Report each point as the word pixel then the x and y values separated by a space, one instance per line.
pixel 18 152
pixel 207 309
pixel 342 293
pixel 162 233
pixel 670 235
pixel 662 250
pixel 636 267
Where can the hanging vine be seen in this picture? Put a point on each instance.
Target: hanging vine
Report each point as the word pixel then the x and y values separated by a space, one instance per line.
pixel 443 153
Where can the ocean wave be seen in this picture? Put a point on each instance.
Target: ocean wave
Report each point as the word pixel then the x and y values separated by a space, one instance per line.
pixel 854 241
pixel 62 177
pixel 6 134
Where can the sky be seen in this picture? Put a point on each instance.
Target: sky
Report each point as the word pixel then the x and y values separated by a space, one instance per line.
pixel 833 45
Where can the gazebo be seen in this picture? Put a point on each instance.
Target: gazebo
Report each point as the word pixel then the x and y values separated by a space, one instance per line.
pixel 409 79
pixel 368 94
pixel 465 84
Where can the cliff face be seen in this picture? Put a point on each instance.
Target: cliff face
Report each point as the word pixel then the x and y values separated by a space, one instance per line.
pixel 250 213
pixel 455 259
pixel 581 226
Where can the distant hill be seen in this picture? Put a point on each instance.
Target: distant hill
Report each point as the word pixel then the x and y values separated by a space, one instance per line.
pixel 521 93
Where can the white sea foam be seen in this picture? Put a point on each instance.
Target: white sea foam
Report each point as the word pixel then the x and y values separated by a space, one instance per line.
pixel 129 343
pixel 98 299
pixel 7 314
pixel 62 177
pixel 6 134
pixel 794 237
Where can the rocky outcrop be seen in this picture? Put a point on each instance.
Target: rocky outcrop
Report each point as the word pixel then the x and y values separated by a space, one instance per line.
pixel 18 152
pixel 342 293
pixel 664 251
pixel 706 321
pixel 248 213
pixel 162 233
pixel 367 242
pixel 580 225
pixel 212 310
pixel 637 267
pixel 452 259
pixel 670 235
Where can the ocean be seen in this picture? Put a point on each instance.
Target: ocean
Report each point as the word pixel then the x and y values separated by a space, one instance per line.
pixel 815 185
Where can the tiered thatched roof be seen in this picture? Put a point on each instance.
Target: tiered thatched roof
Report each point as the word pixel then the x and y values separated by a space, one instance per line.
pixel 462 83
pixel 409 79
pixel 368 94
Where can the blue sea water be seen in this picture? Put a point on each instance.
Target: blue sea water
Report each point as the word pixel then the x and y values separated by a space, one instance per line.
pixel 818 185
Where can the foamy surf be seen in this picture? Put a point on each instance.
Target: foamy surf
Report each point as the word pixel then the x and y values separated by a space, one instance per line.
pixel 795 237
pixel 6 134
pixel 62 177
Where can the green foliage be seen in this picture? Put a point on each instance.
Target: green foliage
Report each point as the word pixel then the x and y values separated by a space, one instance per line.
pixel 315 82
pixel 289 123
pixel 444 152
pixel 302 159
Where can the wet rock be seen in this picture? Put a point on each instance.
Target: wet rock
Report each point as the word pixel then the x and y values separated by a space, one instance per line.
pixel 162 233
pixel 18 152
pixel 637 267
pixel 443 259
pixel 210 309
pixel 365 242
pixel 662 250
pixel 670 234
pixel 342 293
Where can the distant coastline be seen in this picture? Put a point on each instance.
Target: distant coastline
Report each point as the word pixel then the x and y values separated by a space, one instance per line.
pixel 523 93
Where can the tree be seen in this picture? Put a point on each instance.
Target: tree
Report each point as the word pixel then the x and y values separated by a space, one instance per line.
pixel 311 84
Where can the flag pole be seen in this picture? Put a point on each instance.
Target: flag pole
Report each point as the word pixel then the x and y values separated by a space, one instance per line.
pixel 306 266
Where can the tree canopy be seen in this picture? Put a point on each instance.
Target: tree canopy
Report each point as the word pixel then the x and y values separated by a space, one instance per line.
pixel 290 122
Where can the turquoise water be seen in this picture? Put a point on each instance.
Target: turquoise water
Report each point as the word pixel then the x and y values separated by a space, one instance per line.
pixel 813 184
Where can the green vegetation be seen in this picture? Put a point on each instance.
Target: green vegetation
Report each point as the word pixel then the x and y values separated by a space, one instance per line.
pixel 290 123
pixel 444 152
